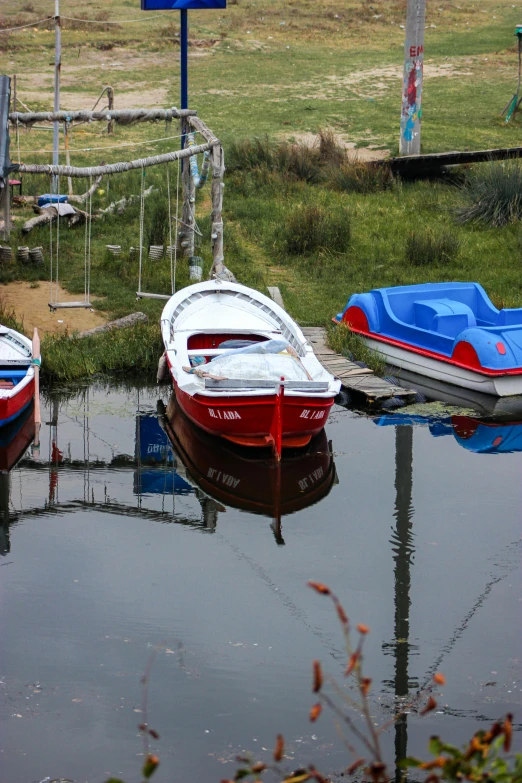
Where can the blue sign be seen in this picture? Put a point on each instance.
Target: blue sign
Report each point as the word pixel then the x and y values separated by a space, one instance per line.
pixel 181 5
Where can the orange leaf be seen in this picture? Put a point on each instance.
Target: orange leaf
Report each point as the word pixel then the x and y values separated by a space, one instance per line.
pixel 318 677
pixel 151 763
pixel 320 588
pixel 317 775
pixel 365 685
pixel 353 767
pixel 351 663
pixel 439 679
pixel 315 712
pixel 437 763
pixel 508 732
pixel 429 706
pixel 342 614
pixel 279 748
pixel 363 629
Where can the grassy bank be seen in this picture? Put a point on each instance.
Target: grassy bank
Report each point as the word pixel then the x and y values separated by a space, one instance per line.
pixel 298 217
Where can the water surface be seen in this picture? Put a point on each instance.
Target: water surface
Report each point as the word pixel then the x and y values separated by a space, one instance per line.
pixel 112 548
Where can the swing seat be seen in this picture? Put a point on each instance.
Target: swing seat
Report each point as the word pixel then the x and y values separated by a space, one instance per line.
pixel 59 305
pixel 143 295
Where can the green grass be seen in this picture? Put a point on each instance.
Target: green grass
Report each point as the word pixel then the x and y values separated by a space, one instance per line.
pixel 341 340
pixel 130 352
pixel 253 77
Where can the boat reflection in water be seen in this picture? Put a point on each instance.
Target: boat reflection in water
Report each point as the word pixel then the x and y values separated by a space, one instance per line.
pixel 473 434
pixel 15 439
pixel 250 481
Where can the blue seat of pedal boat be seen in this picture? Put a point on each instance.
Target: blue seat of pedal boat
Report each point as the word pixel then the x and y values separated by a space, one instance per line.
pixel 444 316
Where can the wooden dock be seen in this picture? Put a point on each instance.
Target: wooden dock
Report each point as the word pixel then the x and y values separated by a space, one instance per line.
pixel 357 380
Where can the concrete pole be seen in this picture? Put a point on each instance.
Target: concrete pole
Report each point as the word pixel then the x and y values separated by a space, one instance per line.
pixel 411 114
pixel 57 70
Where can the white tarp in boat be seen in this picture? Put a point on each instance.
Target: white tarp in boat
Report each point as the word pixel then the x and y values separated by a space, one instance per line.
pixel 270 360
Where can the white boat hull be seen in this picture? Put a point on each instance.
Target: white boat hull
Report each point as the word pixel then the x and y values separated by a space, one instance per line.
pixel 497 385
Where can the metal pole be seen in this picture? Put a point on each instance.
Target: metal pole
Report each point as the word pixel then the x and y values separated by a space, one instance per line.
pixel 184 57
pixel 411 114
pixel 57 70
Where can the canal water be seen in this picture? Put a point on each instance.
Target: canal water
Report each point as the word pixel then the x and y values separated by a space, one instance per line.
pixel 130 543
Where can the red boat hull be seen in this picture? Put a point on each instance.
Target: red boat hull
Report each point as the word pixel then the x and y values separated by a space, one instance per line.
pixel 249 481
pixel 15 439
pixel 249 421
pixel 10 407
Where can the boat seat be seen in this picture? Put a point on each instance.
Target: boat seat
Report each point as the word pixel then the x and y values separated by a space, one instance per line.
pixel 443 316
pixel 509 317
pixel 6 384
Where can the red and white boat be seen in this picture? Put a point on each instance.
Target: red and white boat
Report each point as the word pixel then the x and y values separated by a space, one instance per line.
pixel 241 367
pixel 16 374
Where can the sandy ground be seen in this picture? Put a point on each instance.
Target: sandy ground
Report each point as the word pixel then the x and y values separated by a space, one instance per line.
pixel 31 307
pixel 355 153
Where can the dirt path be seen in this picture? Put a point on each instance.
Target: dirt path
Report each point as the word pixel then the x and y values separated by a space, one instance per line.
pixel 31 306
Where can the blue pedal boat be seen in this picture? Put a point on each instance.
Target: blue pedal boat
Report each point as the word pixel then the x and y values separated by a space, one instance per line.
pixel 447 331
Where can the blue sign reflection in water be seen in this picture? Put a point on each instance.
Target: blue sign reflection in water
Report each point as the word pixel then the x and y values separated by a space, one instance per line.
pixel 156 471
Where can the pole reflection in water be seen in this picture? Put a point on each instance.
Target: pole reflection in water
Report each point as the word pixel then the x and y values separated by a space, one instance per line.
pixel 403 552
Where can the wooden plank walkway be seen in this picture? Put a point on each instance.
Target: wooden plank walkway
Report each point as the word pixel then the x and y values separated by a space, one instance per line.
pixel 354 378
pixel 421 164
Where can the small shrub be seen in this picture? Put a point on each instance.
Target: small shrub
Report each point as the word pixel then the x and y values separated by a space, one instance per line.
pixel 426 248
pixel 353 176
pixel 311 228
pixel 299 161
pixel 330 151
pixel 157 225
pixel 248 154
pixel 492 195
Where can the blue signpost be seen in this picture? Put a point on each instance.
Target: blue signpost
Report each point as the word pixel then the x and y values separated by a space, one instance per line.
pixel 183 6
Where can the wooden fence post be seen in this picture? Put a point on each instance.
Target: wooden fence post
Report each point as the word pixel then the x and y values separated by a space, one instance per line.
pixel 411 114
pixel 189 201
pixel 217 164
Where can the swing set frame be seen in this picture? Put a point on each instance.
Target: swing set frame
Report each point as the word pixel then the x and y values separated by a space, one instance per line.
pixel 190 124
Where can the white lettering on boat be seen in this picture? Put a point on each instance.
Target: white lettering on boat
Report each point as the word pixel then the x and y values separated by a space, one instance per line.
pixel 222 478
pixel 217 414
pixel 311 479
pixel 308 414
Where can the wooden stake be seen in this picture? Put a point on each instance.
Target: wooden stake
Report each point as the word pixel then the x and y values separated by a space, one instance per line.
pixel 186 236
pixel 36 365
pixel 217 163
